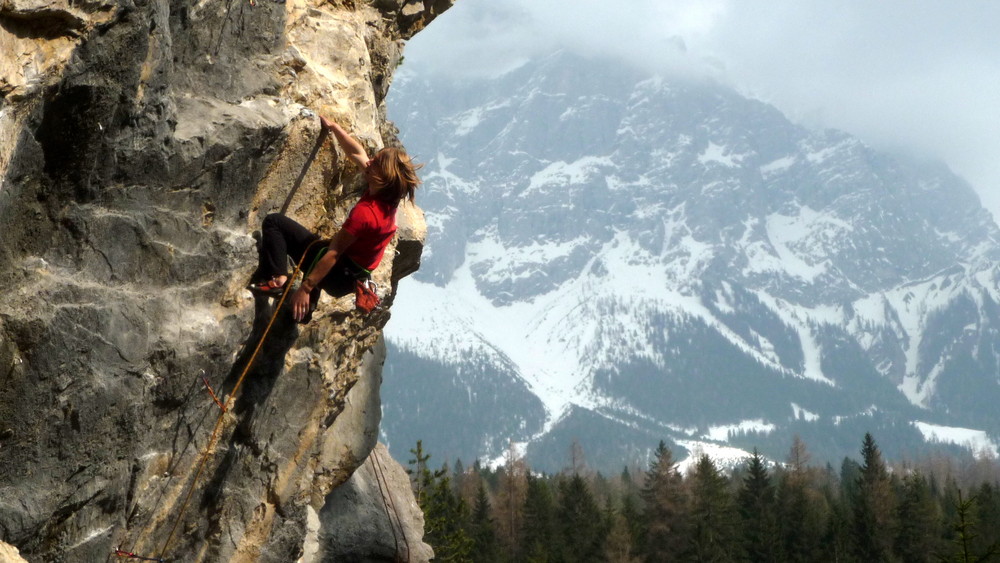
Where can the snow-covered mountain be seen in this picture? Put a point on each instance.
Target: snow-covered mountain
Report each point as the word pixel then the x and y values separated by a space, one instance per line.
pixel 616 258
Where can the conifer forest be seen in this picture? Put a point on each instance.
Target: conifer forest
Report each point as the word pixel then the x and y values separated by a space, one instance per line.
pixel 937 509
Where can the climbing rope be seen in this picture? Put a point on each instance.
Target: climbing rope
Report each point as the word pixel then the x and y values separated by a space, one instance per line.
pixel 211 392
pixel 210 447
pixel 218 422
pixel 387 503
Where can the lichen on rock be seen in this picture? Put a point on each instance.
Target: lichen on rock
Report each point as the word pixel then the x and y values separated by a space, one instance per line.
pixel 141 143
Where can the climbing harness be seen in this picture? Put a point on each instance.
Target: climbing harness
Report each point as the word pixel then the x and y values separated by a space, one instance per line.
pixel 320 254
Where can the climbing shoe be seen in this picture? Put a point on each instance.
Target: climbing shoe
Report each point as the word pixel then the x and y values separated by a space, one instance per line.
pixel 269 288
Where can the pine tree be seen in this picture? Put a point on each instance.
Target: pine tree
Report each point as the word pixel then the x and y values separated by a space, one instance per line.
pixel 484 539
pixel 445 513
pixel 874 507
pixel 466 482
pixel 803 514
pixel 580 521
pixel 850 476
pixel 632 514
pixel 508 509
pixel 798 456
pixel 711 516
pixel 757 512
pixel 920 521
pixel 843 510
pixel 663 516
pixel 838 538
pixel 445 520
pixel 988 504
pixel 620 546
pixel 966 535
pixel 420 476
pixel 577 459
pixel 539 538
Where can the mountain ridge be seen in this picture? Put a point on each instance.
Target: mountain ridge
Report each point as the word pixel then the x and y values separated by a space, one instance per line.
pixel 621 250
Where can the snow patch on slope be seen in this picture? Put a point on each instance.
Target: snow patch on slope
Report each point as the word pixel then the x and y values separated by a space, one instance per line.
pixel 718 154
pixel 797 242
pixel 563 174
pixel 725 457
pixel 799 413
pixel 777 166
pixel 451 182
pixel 976 440
pixel 801 319
pixel 507 264
pixel 467 121
pixel 721 433
pixel 905 310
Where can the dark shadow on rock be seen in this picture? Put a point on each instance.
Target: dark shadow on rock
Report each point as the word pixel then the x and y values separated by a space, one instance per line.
pixel 302 173
pixel 252 388
pixel 41 23
pixel 183 438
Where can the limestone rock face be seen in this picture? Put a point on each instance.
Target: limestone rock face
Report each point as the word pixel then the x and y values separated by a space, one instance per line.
pixel 141 144
pixel 9 554
pixel 366 519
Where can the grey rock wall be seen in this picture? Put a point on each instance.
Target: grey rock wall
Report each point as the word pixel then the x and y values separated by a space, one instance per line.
pixel 141 143
pixel 367 520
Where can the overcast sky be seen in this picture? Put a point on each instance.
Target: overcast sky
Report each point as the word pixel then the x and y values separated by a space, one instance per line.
pixel 915 75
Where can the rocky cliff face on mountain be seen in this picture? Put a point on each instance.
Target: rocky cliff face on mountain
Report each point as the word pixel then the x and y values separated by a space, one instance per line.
pixel 141 143
pixel 618 258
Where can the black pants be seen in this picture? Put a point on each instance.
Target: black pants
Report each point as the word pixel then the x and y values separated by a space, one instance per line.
pixel 282 238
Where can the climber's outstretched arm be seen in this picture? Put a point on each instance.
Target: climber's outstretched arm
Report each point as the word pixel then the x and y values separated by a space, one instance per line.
pixel 300 299
pixel 351 146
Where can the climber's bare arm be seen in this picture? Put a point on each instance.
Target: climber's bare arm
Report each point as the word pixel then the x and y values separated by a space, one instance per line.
pixel 300 299
pixel 351 146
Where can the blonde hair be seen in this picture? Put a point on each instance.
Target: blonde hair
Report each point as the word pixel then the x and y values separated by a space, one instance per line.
pixel 397 174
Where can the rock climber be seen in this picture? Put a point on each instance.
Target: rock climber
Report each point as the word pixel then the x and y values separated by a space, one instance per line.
pixel 355 250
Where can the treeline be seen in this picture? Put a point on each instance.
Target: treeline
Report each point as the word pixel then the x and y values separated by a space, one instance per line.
pixel 866 511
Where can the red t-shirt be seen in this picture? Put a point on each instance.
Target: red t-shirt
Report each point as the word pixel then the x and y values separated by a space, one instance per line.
pixel 372 222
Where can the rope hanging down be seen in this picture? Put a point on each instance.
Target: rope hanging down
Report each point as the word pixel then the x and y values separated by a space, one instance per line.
pixel 239 382
pixel 210 447
pixel 387 503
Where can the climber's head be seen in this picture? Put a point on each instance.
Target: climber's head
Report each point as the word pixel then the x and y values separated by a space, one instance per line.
pixel 392 176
